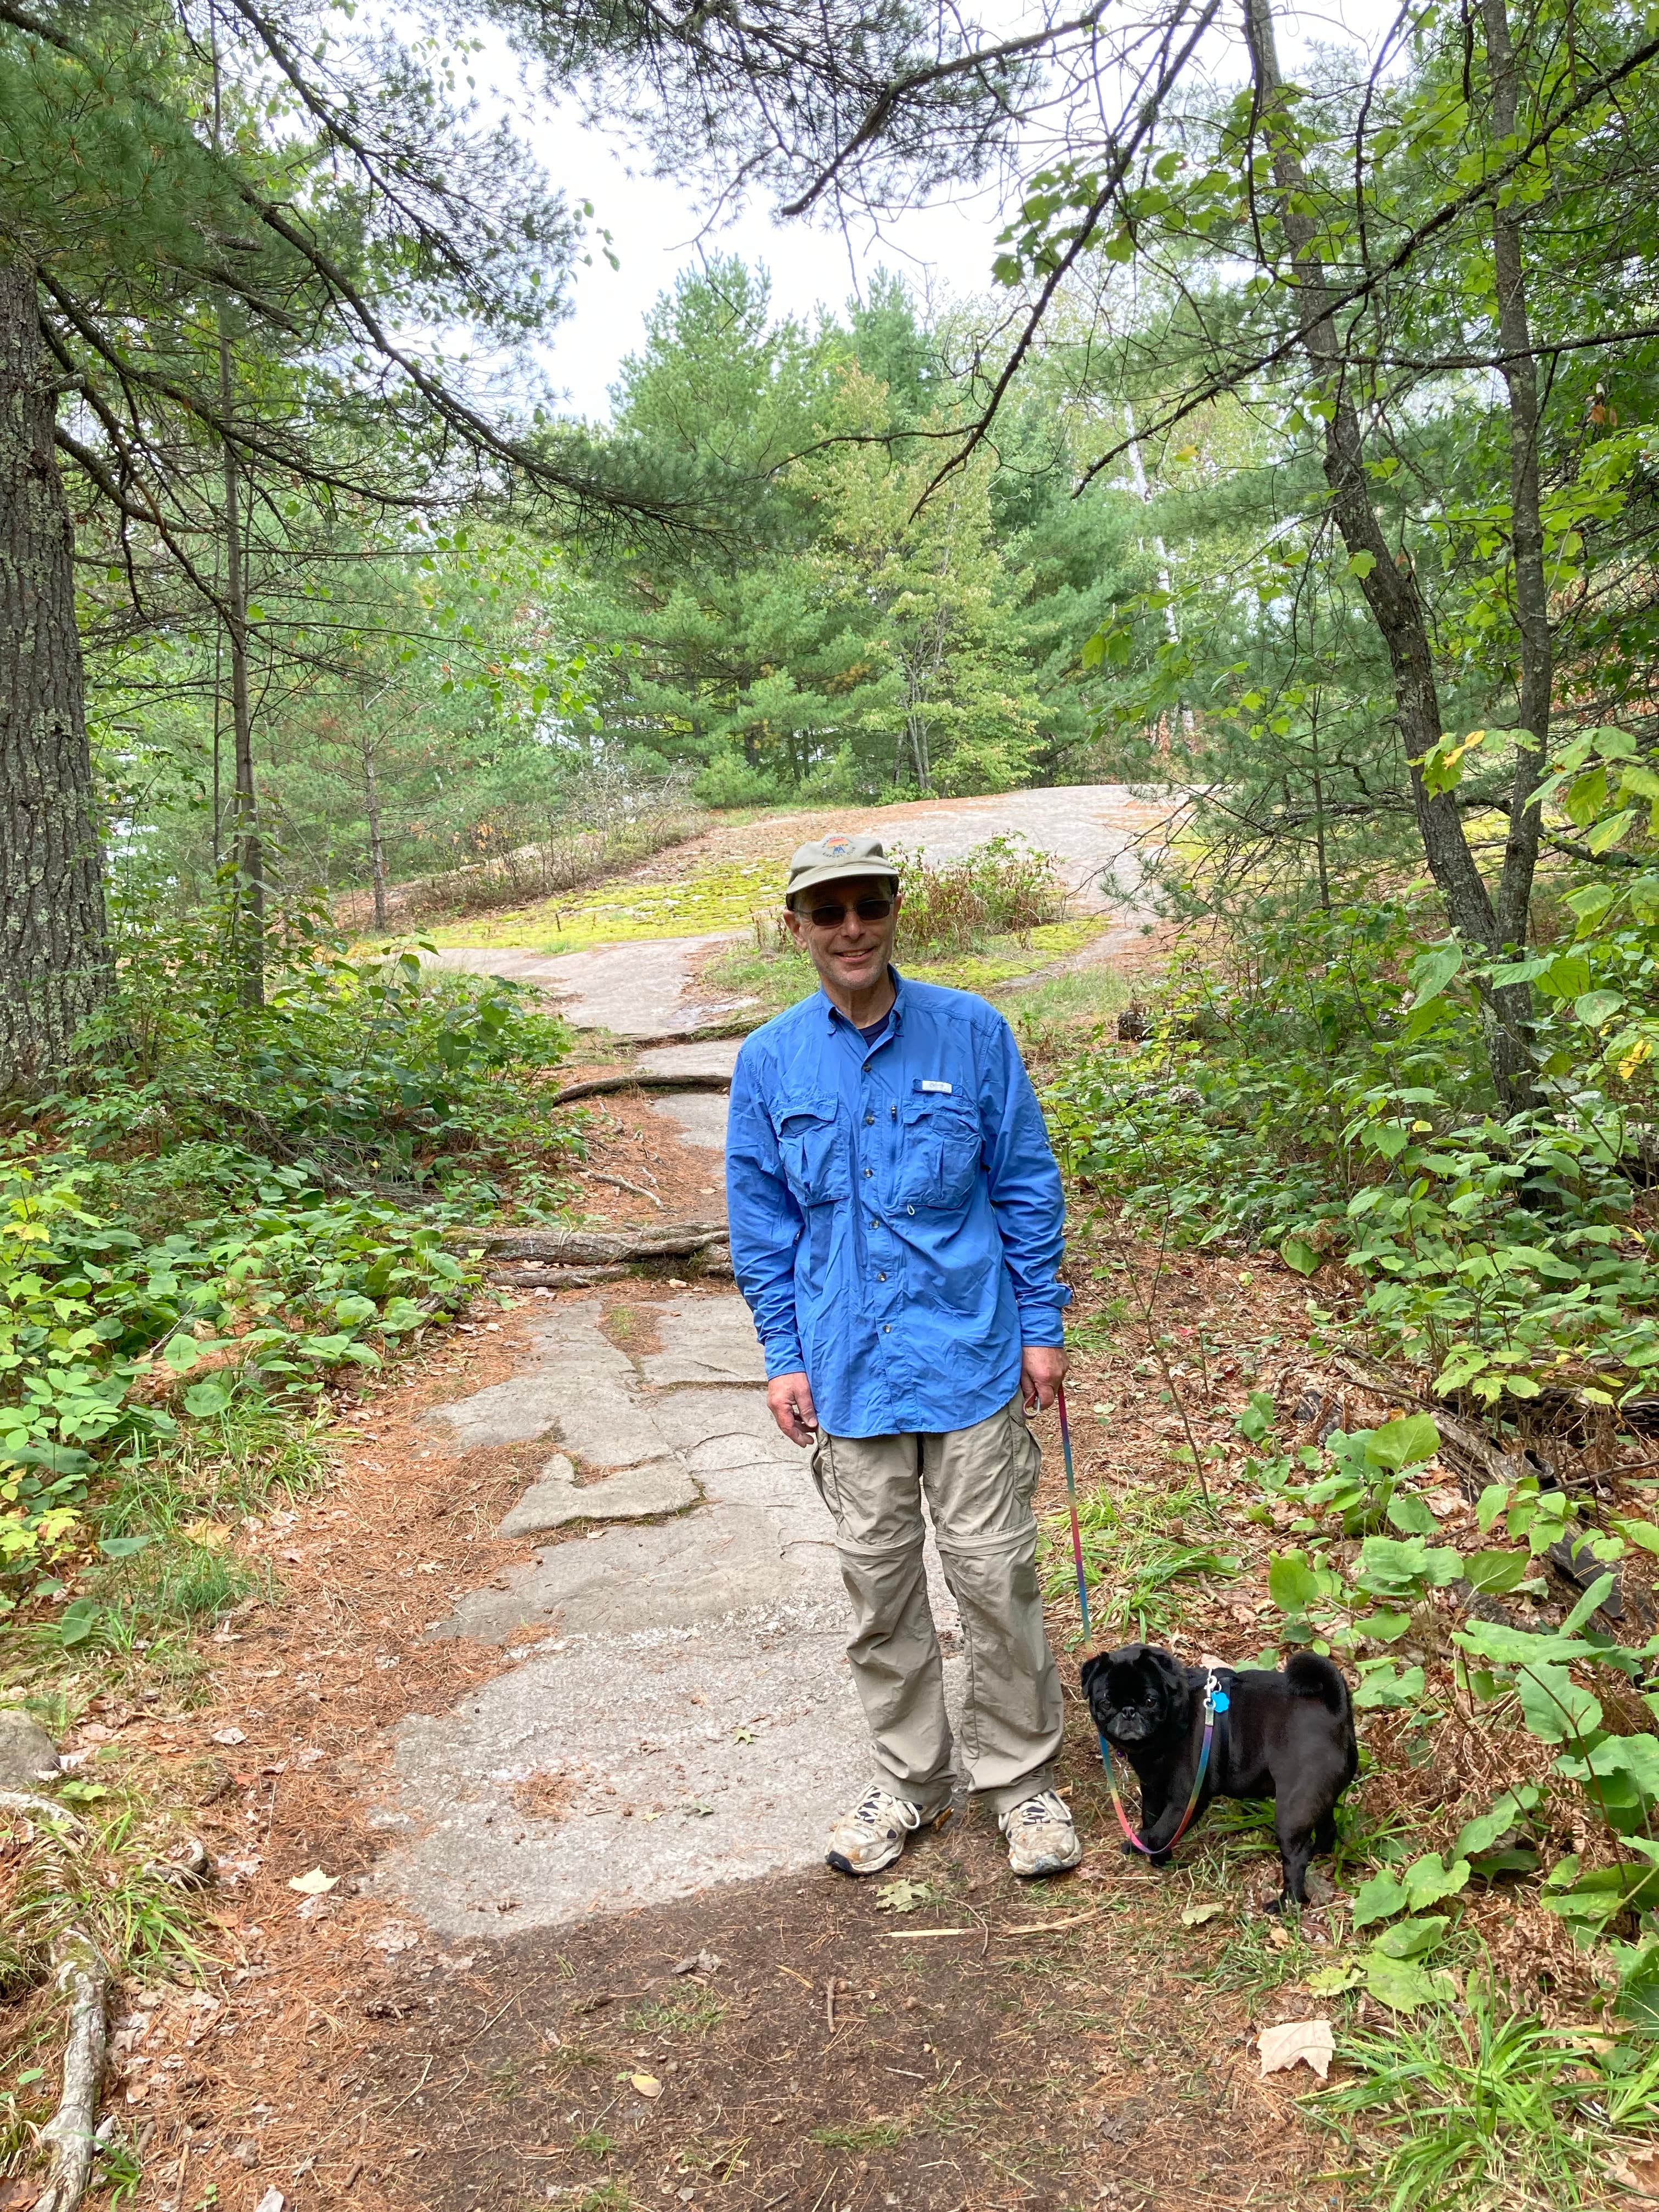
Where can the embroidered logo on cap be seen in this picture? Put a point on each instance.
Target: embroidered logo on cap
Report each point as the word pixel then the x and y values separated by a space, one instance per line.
pixel 835 847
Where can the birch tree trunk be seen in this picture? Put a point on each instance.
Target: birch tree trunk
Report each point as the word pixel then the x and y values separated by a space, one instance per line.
pixel 54 953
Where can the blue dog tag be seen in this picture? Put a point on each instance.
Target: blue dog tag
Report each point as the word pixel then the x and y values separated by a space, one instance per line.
pixel 1220 1701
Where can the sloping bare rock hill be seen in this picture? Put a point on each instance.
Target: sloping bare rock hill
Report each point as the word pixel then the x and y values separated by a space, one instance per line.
pixel 1100 835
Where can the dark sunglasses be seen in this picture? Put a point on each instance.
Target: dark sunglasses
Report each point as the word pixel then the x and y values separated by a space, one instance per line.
pixel 867 909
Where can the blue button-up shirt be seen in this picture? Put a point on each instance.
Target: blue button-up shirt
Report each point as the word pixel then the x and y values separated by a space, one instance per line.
pixel 896 1214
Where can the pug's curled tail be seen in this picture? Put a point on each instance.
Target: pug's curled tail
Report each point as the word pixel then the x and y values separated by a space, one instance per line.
pixel 1311 1676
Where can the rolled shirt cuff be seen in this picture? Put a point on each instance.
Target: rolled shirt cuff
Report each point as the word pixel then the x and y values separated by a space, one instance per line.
pixel 784 1357
pixel 1042 1325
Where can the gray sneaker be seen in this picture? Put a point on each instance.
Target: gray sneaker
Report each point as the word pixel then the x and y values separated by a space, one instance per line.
pixel 871 1835
pixel 1040 1836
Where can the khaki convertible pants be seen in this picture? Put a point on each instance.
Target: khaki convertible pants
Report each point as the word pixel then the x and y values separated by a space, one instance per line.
pixel 979 1483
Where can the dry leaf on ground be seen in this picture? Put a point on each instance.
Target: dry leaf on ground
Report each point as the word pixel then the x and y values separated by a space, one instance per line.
pixel 646 2084
pixel 314 1883
pixel 1296 2042
pixel 1638 2173
pixel 1196 1914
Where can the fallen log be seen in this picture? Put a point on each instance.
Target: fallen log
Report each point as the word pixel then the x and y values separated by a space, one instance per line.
pixel 554 1279
pixel 597 1086
pixel 84 1978
pixel 593 1248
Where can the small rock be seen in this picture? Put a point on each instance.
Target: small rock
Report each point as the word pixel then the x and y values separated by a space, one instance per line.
pixel 28 1755
pixel 1321 1888
pixel 245 2152
pixel 699 1962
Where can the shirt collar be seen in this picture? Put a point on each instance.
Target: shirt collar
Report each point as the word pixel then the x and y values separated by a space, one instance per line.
pixel 895 1014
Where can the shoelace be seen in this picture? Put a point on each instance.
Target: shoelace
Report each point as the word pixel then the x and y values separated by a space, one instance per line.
pixel 1035 1811
pixel 869 1810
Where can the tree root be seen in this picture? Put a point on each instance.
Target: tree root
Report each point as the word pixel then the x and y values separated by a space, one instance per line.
pixel 83 1976
pixel 597 1086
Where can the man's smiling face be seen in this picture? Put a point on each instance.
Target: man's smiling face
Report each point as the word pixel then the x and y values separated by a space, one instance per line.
pixel 850 951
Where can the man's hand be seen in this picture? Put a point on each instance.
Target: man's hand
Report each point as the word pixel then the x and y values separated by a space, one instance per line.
pixel 1041 1371
pixel 790 1397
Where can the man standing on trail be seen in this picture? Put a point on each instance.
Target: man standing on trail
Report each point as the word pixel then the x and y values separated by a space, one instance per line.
pixel 896 1223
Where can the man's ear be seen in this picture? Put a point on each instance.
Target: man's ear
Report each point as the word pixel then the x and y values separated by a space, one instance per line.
pixel 793 921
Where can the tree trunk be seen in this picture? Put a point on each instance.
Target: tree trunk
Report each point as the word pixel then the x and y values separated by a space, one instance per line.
pixel 1532 598
pixel 250 939
pixel 54 955
pixel 1388 583
pixel 376 847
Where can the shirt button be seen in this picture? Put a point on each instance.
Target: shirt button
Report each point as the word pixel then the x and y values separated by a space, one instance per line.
pixel 869 1120
pixel 880 1278
pixel 872 1221
pixel 887 1328
pixel 869 1171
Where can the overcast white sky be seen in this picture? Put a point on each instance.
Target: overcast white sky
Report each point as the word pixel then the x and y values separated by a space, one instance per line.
pixel 654 224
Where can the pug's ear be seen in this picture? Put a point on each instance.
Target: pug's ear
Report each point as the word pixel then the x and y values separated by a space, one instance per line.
pixel 1168 1671
pixel 1090 1668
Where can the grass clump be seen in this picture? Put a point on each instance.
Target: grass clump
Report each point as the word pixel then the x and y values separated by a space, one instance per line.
pixel 1139 1547
pixel 1487 2107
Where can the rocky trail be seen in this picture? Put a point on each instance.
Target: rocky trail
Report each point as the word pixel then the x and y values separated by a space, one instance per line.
pixel 517 1785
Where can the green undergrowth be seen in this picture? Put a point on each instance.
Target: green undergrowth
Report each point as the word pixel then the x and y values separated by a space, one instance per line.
pixel 1327 1095
pixel 232 1211
pixel 1447 2091
pixel 230 1217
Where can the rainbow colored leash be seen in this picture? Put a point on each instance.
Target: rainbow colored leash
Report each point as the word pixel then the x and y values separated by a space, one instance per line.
pixel 1216 1700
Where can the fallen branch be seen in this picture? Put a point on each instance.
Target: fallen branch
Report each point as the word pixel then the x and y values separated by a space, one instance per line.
pixel 1370 1374
pixel 598 1086
pixel 81 1973
pixel 923 1934
pixel 620 1182
pixel 593 1248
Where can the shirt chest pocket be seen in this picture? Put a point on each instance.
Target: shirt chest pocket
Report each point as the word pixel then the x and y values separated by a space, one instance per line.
pixel 813 1151
pixel 941 1153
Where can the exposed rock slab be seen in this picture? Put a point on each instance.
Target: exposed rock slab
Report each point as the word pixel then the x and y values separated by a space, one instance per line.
pixel 637 989
pixel 557 1499
pixel 687 1707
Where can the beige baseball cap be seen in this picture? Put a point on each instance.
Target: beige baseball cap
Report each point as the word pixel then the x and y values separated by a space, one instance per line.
pixel 832 859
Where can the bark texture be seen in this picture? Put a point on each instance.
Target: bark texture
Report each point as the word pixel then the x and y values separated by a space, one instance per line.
pixel 54 955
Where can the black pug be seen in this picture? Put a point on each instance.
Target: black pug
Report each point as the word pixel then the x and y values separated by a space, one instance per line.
pixel 1286 1736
